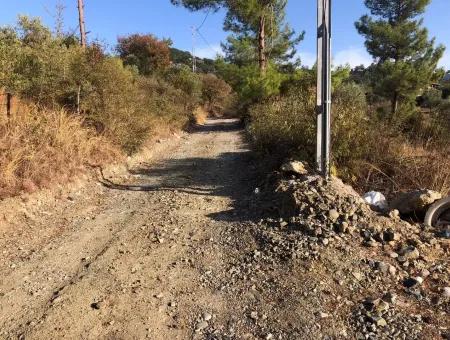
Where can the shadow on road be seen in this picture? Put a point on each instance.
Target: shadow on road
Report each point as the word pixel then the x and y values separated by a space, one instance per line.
pixel 230 174
pixel 218 125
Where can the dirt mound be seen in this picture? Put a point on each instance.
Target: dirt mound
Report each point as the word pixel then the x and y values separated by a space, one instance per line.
pixel 360 274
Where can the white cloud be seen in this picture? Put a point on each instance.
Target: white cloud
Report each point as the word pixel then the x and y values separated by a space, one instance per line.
pixel 307 58
pixel 208 51
pixel 354 56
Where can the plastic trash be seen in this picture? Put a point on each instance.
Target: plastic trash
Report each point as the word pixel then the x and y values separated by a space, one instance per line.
pixel 376 199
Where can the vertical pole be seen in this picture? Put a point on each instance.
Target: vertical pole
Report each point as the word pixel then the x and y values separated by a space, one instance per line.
pixel 323 87
pixel 327 100
pixel 8 104
pixel 194 61
pixel 81 23
pixel 319 106
pixel 83 43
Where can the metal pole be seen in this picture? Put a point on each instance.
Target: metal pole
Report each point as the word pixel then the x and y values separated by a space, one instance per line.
pixel 323 87
pixel 194 61
pixel 319 105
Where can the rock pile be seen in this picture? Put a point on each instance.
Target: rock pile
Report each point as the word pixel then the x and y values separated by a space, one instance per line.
pixel 318 251
pixel 379 319
pixel 415 201
pixel 315 214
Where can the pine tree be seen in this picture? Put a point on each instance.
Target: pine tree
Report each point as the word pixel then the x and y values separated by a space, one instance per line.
pixel 405 58
pixel 259 22
pixel 81 23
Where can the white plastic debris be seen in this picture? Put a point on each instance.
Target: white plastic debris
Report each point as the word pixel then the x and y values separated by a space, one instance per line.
pixel 376 199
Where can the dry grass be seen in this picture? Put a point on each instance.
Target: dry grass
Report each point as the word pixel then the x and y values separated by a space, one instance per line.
pixel 42 147
pixel 200 115
pixel 398 165
pixel 369 154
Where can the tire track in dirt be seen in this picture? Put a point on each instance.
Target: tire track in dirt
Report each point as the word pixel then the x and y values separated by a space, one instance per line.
pixel 132 270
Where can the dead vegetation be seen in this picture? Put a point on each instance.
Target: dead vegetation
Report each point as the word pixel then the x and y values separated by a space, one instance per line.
pixel 94 107
pixel 200 115
pixel 368 152
pixel 398 165
pixel 43 147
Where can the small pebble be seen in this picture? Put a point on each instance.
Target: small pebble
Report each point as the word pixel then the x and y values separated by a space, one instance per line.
pixel 446 292
pixel 201 326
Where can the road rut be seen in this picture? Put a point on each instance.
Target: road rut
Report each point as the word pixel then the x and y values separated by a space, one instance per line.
pixel 125 260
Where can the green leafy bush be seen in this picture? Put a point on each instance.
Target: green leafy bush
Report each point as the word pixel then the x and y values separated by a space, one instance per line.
pixel 189 85
pixel 38 64
pixel 248 81
pixel 94 93
pixel 53 72
pixel 288 124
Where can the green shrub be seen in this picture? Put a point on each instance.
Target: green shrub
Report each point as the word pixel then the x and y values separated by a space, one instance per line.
pixel 188 83
pixel 248 82
pixel 256 86
pixel 38 63
pixel 431 98
pixel 53 72
pixel 284 124
pixel 111 99
pixel 287 124
pixel 351 127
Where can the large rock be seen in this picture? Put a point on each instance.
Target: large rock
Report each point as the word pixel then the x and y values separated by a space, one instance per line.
pixel 296 167
pixel 414 201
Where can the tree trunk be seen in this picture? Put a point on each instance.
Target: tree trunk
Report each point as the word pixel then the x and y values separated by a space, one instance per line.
pixel 394 103
pixel 8 104
pixel 262 44
pixel 78 99
pixel 81 23
pixel 83 45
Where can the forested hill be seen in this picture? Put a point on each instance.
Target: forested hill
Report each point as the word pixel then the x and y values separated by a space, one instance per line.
pixel 204 65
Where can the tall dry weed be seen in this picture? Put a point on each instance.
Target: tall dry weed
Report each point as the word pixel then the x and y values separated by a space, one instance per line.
pixel 366 152
pixel 396 164
pixel 41 147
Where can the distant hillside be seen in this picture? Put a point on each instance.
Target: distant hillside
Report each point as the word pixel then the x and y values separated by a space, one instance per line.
pixel 204 65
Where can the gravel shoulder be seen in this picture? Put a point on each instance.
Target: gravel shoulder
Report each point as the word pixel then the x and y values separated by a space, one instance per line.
pixel 181 247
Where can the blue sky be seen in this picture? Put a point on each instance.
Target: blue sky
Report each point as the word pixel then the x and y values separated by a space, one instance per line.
pixel 108 19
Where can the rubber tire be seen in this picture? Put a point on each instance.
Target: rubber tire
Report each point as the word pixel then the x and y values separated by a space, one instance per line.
pixel 436 210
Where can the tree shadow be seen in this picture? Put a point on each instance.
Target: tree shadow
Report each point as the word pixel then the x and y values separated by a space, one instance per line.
pixel 230 174
pixel 217 125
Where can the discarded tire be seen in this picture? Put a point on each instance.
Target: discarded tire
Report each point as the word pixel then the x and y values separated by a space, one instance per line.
pixel 439 213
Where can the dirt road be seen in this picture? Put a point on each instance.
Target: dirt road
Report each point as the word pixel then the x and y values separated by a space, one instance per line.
pixel 125 260
pixel 175 249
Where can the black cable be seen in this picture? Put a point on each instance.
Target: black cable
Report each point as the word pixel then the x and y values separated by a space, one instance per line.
pixel 206 17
